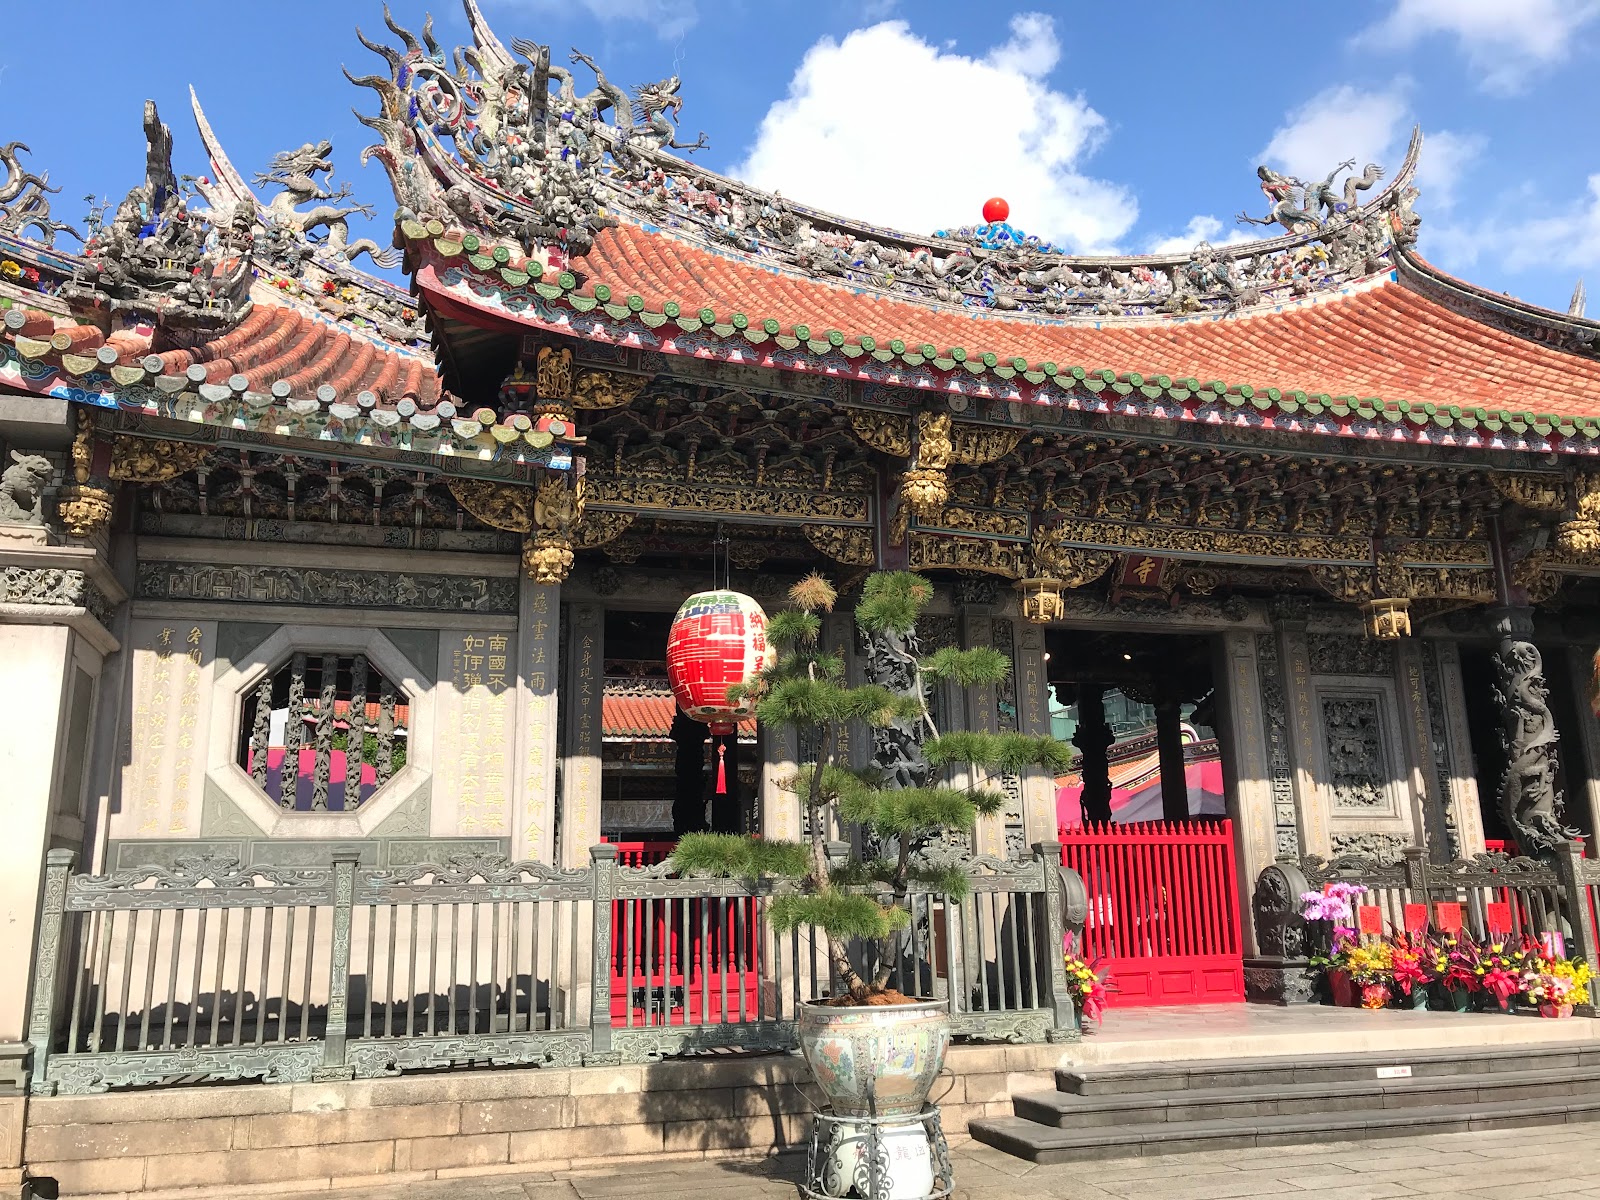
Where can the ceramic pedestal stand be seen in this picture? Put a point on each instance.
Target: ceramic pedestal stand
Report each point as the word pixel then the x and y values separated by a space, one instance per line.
pixel 878 1158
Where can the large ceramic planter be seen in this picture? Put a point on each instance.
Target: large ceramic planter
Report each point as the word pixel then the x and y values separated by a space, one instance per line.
pixel 892 1052
pixel 881 1060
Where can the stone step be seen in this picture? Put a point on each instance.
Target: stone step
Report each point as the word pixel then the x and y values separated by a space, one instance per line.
pixel 1286 1071
pixel 1046 1144
pixel 1065 1110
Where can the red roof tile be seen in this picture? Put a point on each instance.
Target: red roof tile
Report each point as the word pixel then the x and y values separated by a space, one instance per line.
pixel 1386 339
pixel 644 717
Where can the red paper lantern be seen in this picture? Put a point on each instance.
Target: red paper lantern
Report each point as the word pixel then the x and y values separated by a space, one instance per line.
pixel 717 641
pixel 995 210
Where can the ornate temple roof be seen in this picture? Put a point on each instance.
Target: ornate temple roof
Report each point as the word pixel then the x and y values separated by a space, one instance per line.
pixel 236 316
pixel 527 203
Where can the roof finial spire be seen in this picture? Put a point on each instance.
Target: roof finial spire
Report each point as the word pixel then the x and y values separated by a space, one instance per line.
pixel 1579 300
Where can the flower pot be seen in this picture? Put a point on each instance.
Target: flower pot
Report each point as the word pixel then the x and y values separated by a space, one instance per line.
pixel 1416 998
pixel 906 1163
pixel 1555 1010
pixel 1374 995
pixel 1343 989
pixel 875 1059
pixel 1449 999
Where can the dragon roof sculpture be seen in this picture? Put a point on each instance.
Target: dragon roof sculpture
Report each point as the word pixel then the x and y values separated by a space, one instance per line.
pixel 503 141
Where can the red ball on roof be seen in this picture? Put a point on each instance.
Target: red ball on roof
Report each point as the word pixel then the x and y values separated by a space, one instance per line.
pixel 995 210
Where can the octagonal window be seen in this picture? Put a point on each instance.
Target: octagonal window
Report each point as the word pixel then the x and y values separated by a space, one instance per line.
pixel 323 732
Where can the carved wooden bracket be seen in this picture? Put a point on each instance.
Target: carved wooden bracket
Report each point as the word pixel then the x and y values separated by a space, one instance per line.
pixel 849 545
pixel 498 505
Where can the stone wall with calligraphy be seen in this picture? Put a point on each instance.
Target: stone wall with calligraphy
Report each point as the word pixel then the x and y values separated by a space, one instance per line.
pixel 163 779
pixel 540 649
pixel 475 705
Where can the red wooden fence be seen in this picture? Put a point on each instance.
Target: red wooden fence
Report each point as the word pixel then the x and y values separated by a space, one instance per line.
pixel 682 962
pixel 1163 910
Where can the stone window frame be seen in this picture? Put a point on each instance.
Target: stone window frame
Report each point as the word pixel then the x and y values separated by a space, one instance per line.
pixel 1395 816
pixel 233 688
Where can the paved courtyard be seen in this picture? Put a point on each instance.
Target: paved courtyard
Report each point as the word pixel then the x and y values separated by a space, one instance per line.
pixel 1523 1163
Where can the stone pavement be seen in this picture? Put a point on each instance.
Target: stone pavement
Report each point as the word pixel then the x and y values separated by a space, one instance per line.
pixel 1557 1160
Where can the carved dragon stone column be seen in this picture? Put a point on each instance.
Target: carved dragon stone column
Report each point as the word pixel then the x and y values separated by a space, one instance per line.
pixel 1530 791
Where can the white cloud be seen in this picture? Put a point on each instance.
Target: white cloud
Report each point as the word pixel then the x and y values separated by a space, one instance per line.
pixel 1445 158
pixel 670 19
pixel 1200 229
pixel 1346 122
pixel 1567 239
pixel 888 128
pixel 1502 39
pixel 1337 124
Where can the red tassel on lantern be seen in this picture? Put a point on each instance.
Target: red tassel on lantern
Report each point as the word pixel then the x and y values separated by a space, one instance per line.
pixel 722 768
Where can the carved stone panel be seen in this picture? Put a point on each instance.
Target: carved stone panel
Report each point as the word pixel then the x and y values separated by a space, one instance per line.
pixel 1333 654
pixel 1357 761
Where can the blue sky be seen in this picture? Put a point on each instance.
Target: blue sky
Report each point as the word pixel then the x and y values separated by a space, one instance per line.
pixel 1127 126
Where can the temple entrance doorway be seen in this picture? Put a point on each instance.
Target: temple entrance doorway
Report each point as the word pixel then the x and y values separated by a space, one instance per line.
pixel 1143 817
pixel 1139 709
pixel 658 768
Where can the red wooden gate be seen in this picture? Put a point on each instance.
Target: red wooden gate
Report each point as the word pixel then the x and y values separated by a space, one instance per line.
pixel 682 962
pixel 1163 910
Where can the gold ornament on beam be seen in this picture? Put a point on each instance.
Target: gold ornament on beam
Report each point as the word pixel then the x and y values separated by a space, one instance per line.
pixel 925 490
pixel 976 445
pixel 1580 537
pixel 497 505
pixel 149 460
pixel 83 445
pixel 547 558
pixel 1388 618
pixel 933 441
pixel 600 529
pixel 553 373
pixel 605 389
pixel 847 545
pixel 1540 493
pixel 889 433
pixel 84 510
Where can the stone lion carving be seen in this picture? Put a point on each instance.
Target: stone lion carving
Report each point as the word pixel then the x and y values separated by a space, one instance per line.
pixel 22 487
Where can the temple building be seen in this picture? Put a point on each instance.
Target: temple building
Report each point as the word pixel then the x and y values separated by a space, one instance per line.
pixel 314 546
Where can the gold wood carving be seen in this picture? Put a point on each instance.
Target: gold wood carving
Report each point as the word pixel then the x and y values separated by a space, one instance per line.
pixel 599 528
pixel 83 444
pixel 1541 493
pixel 925 491
pixel 850 545
pixel 933 441
pixel 558 505
pixel 553 373
pixel 1539 575
pixel 147 460
pixel 888 432
pixel 1072 565
pixel 970 519
pixel 657 494
pixel 547 557
pixel 1179 540
pixel 1581 535
pixel 84 510
pixel 498 505
pixel 975 445
pixel 1391 579
pixel 605 389
pixel 928 551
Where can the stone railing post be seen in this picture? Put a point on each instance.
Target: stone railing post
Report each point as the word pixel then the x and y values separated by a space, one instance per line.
pixel 47 967
pixel 1416 868
pixel 603 868
pixel 336 1032
pixel 1570 872
pixel 1053 939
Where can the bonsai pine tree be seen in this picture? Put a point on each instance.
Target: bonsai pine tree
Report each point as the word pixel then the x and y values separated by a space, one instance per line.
pixel 805 690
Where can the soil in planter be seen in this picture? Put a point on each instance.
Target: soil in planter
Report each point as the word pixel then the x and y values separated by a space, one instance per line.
pixel 873 999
